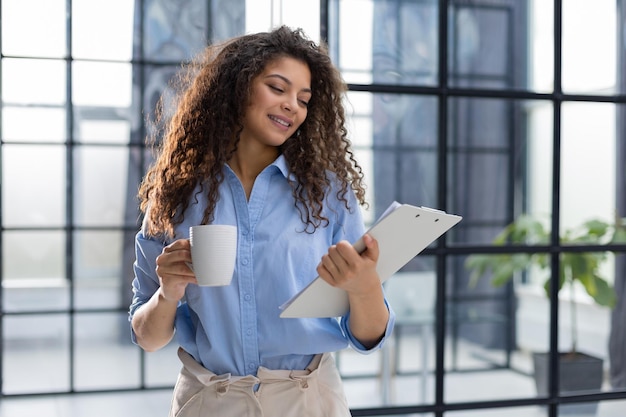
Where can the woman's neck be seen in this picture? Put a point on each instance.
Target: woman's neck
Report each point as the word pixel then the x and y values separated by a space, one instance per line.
pixel 248 164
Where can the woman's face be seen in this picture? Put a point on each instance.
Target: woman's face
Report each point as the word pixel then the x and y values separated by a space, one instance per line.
pixel 278 102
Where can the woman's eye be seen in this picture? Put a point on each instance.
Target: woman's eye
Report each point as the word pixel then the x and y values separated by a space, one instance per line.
pixel 304 103
pixel 277 89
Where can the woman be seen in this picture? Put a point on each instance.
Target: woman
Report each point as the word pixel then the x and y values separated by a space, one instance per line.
pixel 257 140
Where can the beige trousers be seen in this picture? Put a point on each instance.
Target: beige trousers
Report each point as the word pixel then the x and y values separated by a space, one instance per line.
pixel 314 392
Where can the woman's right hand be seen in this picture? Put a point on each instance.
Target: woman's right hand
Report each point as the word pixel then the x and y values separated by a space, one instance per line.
pixel 172 269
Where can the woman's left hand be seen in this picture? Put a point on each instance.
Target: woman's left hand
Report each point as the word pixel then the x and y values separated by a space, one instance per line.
pixel 345 268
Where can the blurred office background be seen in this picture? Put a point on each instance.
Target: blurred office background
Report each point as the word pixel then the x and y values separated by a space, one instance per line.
pixel 490 109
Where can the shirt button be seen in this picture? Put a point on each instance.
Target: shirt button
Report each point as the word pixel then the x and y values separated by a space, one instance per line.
pixel 244 261
pixel 247 297
pixel 244 232
pixel 252 366
pixel 249 332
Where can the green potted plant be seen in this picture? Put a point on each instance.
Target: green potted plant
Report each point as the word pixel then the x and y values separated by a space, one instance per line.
pixel 578 371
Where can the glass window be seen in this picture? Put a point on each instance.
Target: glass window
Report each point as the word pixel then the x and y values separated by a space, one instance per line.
pixel 117 366
pixel 521 411
pixel 34 276
pixel 501 45
pixel 92 34
pixel 101 84
pixel 499 139
pixel 33 28
pixel 482 338
pixel 34 124
pixel 39 343
pixel 33 199
pixel 171 33
pixel 499 163
pixel 100 179
pixel 588 145
pixel 263 15
pixel 97 265
pixel 162 367
pixel 590 55
pixel 385 42
pixel 34 81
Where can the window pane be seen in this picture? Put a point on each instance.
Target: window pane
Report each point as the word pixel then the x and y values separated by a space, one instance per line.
pixel 611 408
pixel 491 45
pixel 96 125
pixel 394 136
pixel 584 324
pixel 92 19
pixel 34 271
pixel 386 42
pixel 412 295
pixel 405 152
pixel 263 15
pixel 497 147
pixel 360 123
pixel 259 15
pixel 100 181
pixel 34 28
pixel 361 377
pixel 480 42
pixel 588 145
pixel 104 356
pixel 31 199
pixel 34 124
pixel 35 355
pixel 154 84
pixel 162 366
pixel 589 56
pixel 172 33
pixel 540 34
pixel 520 411
pixel 102 84
pixel 491 330
pixel 98 270
pixel 301 14
pixel 30 81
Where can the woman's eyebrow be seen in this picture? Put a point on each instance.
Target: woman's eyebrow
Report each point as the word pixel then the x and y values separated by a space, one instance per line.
pixel 288 81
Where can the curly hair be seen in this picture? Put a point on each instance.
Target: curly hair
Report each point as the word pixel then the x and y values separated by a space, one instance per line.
pixel 203 132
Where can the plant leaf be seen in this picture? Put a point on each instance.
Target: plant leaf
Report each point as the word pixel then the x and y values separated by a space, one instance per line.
pixel 604 293
pixel 595 230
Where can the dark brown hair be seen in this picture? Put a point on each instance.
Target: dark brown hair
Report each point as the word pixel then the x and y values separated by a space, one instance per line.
pixel 202 134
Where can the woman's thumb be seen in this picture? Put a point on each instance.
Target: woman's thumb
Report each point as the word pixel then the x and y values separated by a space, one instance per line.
pixel 371 247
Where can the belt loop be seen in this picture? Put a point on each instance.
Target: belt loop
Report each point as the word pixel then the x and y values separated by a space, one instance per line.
pixel 315 362
pixel 222 388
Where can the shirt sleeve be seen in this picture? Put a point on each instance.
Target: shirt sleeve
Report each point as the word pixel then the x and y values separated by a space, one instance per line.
pixel 145 282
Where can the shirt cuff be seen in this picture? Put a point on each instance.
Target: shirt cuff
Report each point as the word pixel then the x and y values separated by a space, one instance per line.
pixel 358 346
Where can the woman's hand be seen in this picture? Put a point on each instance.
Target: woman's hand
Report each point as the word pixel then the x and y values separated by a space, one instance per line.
pixel 345 268
pixel 153 322
pixel 172 269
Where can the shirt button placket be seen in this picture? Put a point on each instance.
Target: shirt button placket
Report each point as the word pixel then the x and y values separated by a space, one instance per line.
pixel 246 288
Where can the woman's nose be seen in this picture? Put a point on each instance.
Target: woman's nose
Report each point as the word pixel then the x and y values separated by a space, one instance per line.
pixel 289 104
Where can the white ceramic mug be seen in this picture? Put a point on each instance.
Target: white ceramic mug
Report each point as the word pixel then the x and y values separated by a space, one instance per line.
pixel 213 253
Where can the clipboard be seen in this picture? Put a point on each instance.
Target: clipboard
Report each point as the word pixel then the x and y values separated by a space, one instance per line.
pixel 402 232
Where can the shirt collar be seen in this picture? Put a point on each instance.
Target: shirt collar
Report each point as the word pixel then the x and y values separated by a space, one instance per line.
pixel 281 164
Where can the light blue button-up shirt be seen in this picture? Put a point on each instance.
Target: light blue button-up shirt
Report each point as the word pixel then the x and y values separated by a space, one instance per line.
pixel 237 328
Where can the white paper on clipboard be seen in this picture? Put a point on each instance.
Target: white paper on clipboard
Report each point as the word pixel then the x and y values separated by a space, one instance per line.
pixel 403 231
